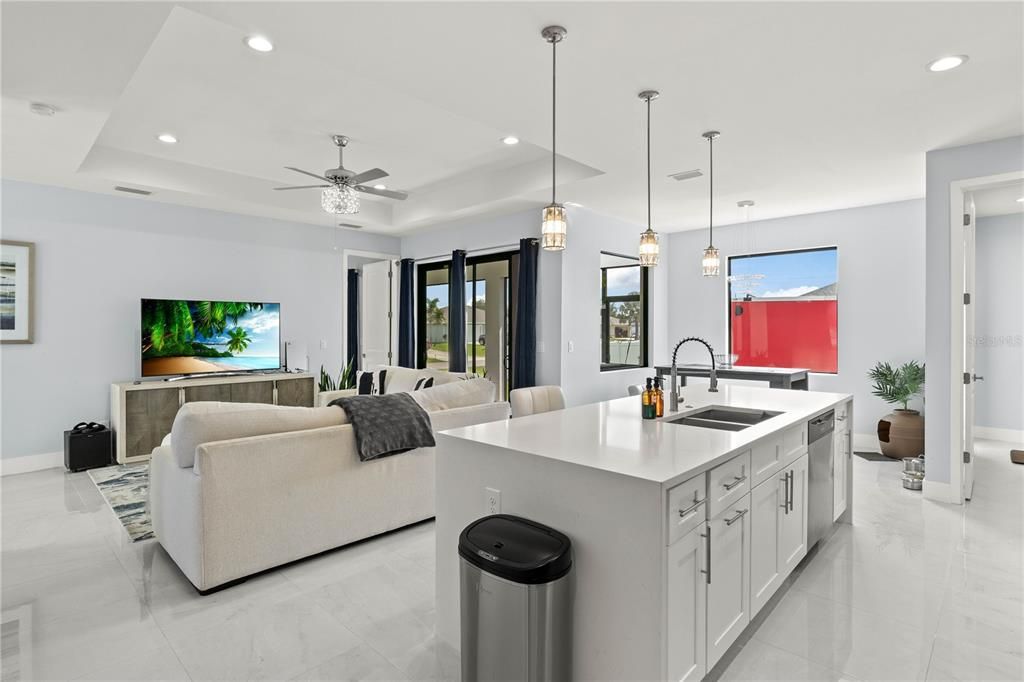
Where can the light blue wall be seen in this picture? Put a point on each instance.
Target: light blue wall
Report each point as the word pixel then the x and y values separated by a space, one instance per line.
pixel 999 322
pixel 942 167
pixel 97 255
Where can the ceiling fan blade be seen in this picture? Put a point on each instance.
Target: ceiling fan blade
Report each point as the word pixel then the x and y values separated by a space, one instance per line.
pixel 303 187
pixel 389 193
pixel 312 175
pixel 367 176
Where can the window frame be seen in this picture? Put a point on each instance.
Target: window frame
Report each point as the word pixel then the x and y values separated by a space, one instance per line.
pixel 780 252
pixel 644 327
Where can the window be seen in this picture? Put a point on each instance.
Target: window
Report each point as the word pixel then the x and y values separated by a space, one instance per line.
pixel 623 312
pixel 783 309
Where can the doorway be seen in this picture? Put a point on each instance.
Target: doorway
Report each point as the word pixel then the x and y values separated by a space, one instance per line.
pixel 374 314
pixel 490 316
pixel 971 200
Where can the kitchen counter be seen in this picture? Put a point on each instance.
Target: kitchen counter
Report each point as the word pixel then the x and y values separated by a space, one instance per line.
pixel 777 377
pixel 611 436
pixel 647 505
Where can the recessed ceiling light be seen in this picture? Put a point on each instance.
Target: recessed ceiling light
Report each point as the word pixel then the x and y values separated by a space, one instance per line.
pixel 1021 200
pixel 42 109
pixel 947 63
pixel 380 186
pixel 167 138
pixel 259 43
pixel 510 139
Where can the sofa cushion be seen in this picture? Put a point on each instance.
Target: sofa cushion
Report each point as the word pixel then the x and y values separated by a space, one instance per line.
pixel 455 394
pixel 205 422
pixel 372 381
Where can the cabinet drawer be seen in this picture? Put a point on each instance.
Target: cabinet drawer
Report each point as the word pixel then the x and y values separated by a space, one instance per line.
pixel 686 507
pixel 727 483
pixel 794 443
pixel 766 459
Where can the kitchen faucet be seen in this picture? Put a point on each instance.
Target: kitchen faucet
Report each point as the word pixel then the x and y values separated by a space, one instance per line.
pixel 673 396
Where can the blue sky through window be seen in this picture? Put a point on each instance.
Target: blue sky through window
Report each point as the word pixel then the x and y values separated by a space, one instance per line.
pixel 783 275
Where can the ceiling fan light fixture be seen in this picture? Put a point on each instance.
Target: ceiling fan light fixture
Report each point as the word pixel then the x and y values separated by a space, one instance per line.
pixel 259 43
pixel 553 228
pixel 340 199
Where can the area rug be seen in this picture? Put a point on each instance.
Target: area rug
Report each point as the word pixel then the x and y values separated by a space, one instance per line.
pixel 126 489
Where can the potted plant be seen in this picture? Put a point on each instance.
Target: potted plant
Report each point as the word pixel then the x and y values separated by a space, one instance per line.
pixel 347 378
pixel 900 433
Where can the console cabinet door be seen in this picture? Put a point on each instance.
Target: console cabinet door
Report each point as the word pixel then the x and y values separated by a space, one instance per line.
pixel 687 606
pixel 729 588
pixel 793 528
pixel 839 459
pixel 767 511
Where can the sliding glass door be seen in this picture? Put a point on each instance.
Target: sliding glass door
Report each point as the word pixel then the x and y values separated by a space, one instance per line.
pixel 489 316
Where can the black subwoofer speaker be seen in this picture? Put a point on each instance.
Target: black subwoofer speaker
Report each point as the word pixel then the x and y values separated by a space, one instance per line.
pixel 88 449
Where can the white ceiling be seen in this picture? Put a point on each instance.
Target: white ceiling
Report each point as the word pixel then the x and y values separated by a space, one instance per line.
pixel 1001 200
pixel 821 106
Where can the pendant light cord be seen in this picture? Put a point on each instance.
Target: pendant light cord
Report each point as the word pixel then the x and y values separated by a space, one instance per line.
pixel 648 163
pixel 711 191
pixel 554 72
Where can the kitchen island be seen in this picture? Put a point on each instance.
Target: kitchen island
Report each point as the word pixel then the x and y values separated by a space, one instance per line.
pixel 681 532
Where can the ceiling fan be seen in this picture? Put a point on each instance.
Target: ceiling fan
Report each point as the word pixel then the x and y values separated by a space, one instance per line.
pixel 339 194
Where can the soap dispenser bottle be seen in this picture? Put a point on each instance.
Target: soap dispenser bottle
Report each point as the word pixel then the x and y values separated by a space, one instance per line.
pixel 659 398
pixel 647 399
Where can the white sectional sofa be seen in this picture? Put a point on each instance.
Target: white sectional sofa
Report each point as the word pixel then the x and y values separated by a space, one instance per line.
pixel 238 488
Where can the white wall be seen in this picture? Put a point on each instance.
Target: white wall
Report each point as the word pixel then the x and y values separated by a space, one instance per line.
pixel 97 255
pixel 942 167
pixel 881 290
pixel 999 322
pixel 569 294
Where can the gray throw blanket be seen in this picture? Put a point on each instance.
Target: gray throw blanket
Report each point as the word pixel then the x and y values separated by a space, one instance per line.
pixel 386 424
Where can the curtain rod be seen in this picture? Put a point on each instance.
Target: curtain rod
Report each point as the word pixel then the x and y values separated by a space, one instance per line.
pixel 444 256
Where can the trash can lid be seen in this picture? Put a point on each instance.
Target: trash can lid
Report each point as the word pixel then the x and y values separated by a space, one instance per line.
pixel 516 549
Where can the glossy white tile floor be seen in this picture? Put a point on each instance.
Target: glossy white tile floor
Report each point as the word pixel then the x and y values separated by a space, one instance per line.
pixel 914 590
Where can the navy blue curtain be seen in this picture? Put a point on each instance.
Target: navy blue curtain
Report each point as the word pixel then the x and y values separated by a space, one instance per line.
pixel 457 312
pixel 524 354
pixel 406 322
pixel 352 323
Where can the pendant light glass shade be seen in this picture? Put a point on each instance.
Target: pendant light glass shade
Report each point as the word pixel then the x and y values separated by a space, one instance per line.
pixel 554 223
pixel 552 229
pixel 710 265
pixel 340 199
pixel 649 250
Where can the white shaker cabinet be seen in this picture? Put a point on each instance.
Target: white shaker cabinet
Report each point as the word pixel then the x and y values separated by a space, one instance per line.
pixel 793 524
pixel 687 606
pixel 729 580
pixel 768 505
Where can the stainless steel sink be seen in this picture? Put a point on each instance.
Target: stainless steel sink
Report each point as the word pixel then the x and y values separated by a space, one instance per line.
pixel 723 418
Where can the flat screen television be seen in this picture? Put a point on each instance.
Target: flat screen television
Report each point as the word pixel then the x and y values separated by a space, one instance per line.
pixel 205 337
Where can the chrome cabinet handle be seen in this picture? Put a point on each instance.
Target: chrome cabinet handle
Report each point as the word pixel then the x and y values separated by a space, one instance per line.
pixel 790 475
pixel 739 515
pixel 785 492
pixel 735 482
pixel 707 550
pixel 683 513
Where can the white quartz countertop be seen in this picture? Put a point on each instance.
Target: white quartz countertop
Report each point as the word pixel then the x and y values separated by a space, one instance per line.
pixel 611 436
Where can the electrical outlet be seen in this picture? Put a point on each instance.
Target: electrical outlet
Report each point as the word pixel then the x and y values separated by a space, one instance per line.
pixel 323 344
pixel 492 500
pixel 572 346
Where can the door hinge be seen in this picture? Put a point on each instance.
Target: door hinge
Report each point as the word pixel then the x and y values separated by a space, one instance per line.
pixel 967 299
pixel 967 457
pixel 967 378
pixel 967 219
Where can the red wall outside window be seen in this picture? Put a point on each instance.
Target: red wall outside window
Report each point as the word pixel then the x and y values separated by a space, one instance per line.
pixel 786 333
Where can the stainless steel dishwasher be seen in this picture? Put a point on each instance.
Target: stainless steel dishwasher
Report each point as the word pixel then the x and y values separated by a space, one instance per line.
pixel 820 477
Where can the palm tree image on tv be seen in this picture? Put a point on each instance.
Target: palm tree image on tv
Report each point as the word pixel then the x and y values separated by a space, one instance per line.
pixel 190 337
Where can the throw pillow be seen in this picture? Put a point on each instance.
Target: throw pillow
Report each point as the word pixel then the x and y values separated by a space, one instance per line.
pixel 371 382
pixel 423 382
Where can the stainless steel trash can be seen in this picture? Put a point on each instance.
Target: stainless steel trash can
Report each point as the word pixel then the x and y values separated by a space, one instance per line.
pixel 516 601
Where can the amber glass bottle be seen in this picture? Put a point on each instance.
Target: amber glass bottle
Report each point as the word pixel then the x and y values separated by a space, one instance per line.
pixel 659 398
pixel 647 402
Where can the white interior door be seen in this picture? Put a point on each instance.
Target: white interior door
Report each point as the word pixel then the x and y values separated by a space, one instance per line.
pixel 377 306
pixel 969 376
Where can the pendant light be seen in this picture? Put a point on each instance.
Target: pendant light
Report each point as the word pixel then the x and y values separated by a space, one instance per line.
pixel 648 238
pixel 710 264
pixel 553 225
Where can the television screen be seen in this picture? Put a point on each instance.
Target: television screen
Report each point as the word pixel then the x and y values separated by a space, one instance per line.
pixel 198 337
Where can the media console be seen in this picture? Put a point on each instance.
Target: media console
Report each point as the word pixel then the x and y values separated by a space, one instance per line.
pixel 142 412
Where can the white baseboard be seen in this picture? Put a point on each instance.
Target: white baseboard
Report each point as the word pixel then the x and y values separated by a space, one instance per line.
pixel 28 463
pixel 940 492
pixel 865 442
pixel 1005 435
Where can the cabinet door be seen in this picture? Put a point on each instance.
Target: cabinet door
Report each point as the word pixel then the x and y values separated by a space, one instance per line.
pixel 729 586
pixel 839 474
pixel 687 606
pixel 793 528
pixel 296 392
pixel 767 509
